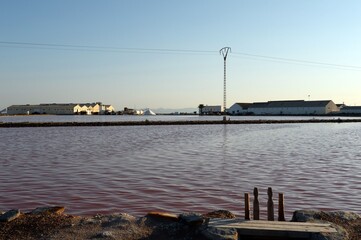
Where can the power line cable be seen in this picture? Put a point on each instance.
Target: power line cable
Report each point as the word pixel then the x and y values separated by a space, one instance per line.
pixel 105 50
pixel 92 48
pixel 292 60
pixel 296 63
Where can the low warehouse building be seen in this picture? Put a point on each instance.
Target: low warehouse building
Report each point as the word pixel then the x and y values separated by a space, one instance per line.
pixel 53 108
pixel 351 110
pixel 61 109
pixel 239 109
pixel 211 110
pixel 293 107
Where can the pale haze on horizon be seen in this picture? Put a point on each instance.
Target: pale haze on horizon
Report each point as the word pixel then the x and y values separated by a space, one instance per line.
pixel 165 54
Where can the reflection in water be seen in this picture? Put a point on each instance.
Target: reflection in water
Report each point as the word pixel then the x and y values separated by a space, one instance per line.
pixel 200 168
pixel 224 146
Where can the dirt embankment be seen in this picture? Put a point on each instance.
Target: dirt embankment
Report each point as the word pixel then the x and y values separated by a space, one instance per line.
pixel 52 223
pixel 147 122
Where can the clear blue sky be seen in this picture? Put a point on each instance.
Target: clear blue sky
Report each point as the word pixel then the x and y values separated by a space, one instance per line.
pixel 322 31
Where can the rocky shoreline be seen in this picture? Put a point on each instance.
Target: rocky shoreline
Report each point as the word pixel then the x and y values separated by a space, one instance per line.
pixel 148 122
pixel 53 223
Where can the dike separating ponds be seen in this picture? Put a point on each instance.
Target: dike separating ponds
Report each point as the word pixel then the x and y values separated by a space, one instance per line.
pixel 150 123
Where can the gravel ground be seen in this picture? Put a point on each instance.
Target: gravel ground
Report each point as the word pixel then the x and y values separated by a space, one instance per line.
pixel 118 226
pixel 353 228
pixel 61 226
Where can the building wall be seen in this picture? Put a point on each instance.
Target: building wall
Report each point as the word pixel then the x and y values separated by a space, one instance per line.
pixel 83 109
pixel 212 109
pixel 19 109
pixel 332 107
pixel 351 110
pixel 236 109
pixel 95 109
pixel 110 108
pixel 57 109
pixel 101 109
pixel 289 110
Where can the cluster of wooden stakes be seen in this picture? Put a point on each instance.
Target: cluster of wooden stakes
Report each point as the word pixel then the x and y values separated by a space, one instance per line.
pixel 270 206
pixel 271 229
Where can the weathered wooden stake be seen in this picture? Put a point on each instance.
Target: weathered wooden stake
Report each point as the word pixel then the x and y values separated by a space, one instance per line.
pixel 246 206
pixel 281 207
pixel 270 206
pixel 255 204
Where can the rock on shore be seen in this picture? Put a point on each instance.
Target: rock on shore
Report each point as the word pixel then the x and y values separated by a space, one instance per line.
pixel 52 223
pixel 347 224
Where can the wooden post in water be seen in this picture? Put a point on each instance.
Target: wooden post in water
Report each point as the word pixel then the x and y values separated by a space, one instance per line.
pixel 281 207
pixel 255 204
pixel 270 206
pixel 246 206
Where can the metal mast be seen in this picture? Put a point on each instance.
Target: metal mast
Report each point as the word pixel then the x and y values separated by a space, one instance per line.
pixel 224 52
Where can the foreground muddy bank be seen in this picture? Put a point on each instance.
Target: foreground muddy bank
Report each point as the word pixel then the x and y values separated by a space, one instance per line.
pixel 52 223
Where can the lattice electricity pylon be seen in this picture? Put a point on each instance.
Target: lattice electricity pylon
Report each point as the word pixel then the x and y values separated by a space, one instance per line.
pixel 224 52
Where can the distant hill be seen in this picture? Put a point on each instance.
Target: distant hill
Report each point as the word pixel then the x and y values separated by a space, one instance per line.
pixel 175 110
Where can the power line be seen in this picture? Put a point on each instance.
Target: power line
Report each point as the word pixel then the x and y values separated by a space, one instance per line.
pixel 92 48
pixel 100 48
pixel 292 60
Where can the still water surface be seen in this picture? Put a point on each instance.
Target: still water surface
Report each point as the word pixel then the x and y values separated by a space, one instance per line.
pixel 200 168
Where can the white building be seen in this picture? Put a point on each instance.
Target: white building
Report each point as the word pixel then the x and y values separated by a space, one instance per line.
pixel 293 107
pixel 61 109
pixel 239 109
pixel 99 109
pixel 212 109
pixel 351 110
pixel 53 108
